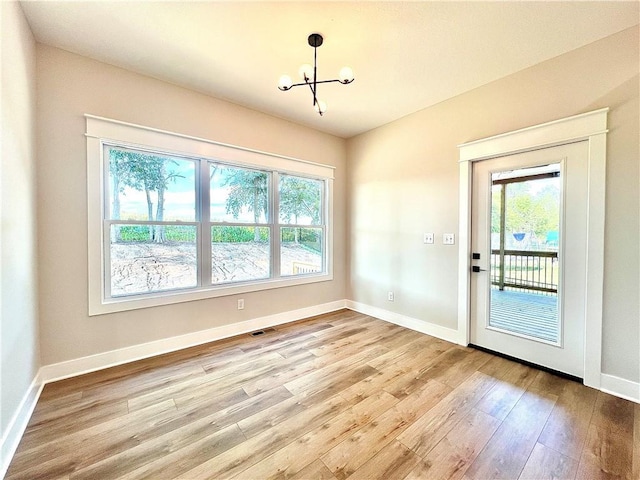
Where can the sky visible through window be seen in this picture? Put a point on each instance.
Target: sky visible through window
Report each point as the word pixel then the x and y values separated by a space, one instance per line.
pixel 179 197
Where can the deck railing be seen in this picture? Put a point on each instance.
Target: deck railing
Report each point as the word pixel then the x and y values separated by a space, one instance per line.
pixel 525 270
pixel 300 268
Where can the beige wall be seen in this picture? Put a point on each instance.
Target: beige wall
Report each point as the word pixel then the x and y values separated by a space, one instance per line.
pixel 403 181
pixel 18 289
pixel 70 86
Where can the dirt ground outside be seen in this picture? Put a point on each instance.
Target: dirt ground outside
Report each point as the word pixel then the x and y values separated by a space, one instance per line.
pixel 150 267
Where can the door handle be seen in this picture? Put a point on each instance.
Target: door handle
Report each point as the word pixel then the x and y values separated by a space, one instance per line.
pixel 477 269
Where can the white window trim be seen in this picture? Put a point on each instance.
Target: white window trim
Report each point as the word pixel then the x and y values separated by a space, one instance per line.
pixel 101 130
pixel 590 126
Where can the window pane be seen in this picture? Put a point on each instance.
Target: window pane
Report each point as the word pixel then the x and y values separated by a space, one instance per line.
pixel 238 195
pixel 300 251
pixel 524 258
pixel 140 264
pixel 300 200
pixel 239 254
pixel 150 187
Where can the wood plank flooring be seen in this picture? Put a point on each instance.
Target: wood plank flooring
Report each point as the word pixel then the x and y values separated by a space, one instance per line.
pixel 337 396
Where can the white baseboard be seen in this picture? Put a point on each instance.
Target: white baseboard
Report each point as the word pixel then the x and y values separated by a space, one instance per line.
pixel 13 434
pixel 438 331
pixel 92 363
pixel 620 387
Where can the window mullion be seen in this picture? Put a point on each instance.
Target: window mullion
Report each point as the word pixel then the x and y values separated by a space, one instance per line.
pixel 203 192
pixel 274 220
pixel 106 252
pixel 106 224
pixel 327 224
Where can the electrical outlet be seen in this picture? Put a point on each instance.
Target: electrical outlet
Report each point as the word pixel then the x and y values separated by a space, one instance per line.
pixel 448 238
pixel 428 238
pixel 390 296
pixel 241 304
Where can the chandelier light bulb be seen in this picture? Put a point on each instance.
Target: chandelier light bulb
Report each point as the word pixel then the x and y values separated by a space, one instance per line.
pixel 285 82
pixel 346 75
pixel 320 106
pixel 306 72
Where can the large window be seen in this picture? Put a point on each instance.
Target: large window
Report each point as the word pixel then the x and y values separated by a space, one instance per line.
pixel 177 226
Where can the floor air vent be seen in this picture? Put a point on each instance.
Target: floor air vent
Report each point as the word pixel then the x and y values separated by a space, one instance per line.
pixel 257 333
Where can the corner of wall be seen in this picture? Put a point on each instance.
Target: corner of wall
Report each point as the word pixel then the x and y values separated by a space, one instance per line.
pixel 18 424
pixel 20 350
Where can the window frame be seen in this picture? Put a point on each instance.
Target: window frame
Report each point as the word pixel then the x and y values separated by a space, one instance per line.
pixel 102 132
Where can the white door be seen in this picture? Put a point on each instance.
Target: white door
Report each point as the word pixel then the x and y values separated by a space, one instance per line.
pixel 528 284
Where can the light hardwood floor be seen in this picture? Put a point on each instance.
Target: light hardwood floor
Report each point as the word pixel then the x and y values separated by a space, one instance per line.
pixel 337 396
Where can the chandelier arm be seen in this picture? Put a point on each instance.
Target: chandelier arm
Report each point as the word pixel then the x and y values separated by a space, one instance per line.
pixel 315 72
pixel 313 92
pixel 335 80
pixel 302 84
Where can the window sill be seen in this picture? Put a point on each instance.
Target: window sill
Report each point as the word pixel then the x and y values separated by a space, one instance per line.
pixel 168 298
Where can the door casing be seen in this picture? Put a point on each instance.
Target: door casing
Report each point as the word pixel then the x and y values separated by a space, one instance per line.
pixel 590 126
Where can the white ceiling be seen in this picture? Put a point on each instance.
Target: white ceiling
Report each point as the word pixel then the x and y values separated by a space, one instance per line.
pixel 406 56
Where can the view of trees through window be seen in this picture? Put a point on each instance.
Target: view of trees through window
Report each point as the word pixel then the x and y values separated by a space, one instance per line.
pixel 532 214
pixel 300 201
pixel 524 255
pixel 158 233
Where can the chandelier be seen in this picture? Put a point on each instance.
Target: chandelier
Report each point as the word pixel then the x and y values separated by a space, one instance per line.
pixel 310 77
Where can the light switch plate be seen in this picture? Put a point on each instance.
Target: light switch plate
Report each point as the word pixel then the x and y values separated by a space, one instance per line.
pixel 448 238
pixel 428 238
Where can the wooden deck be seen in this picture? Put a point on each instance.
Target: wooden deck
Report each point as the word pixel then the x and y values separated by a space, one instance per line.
pixel 530 314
